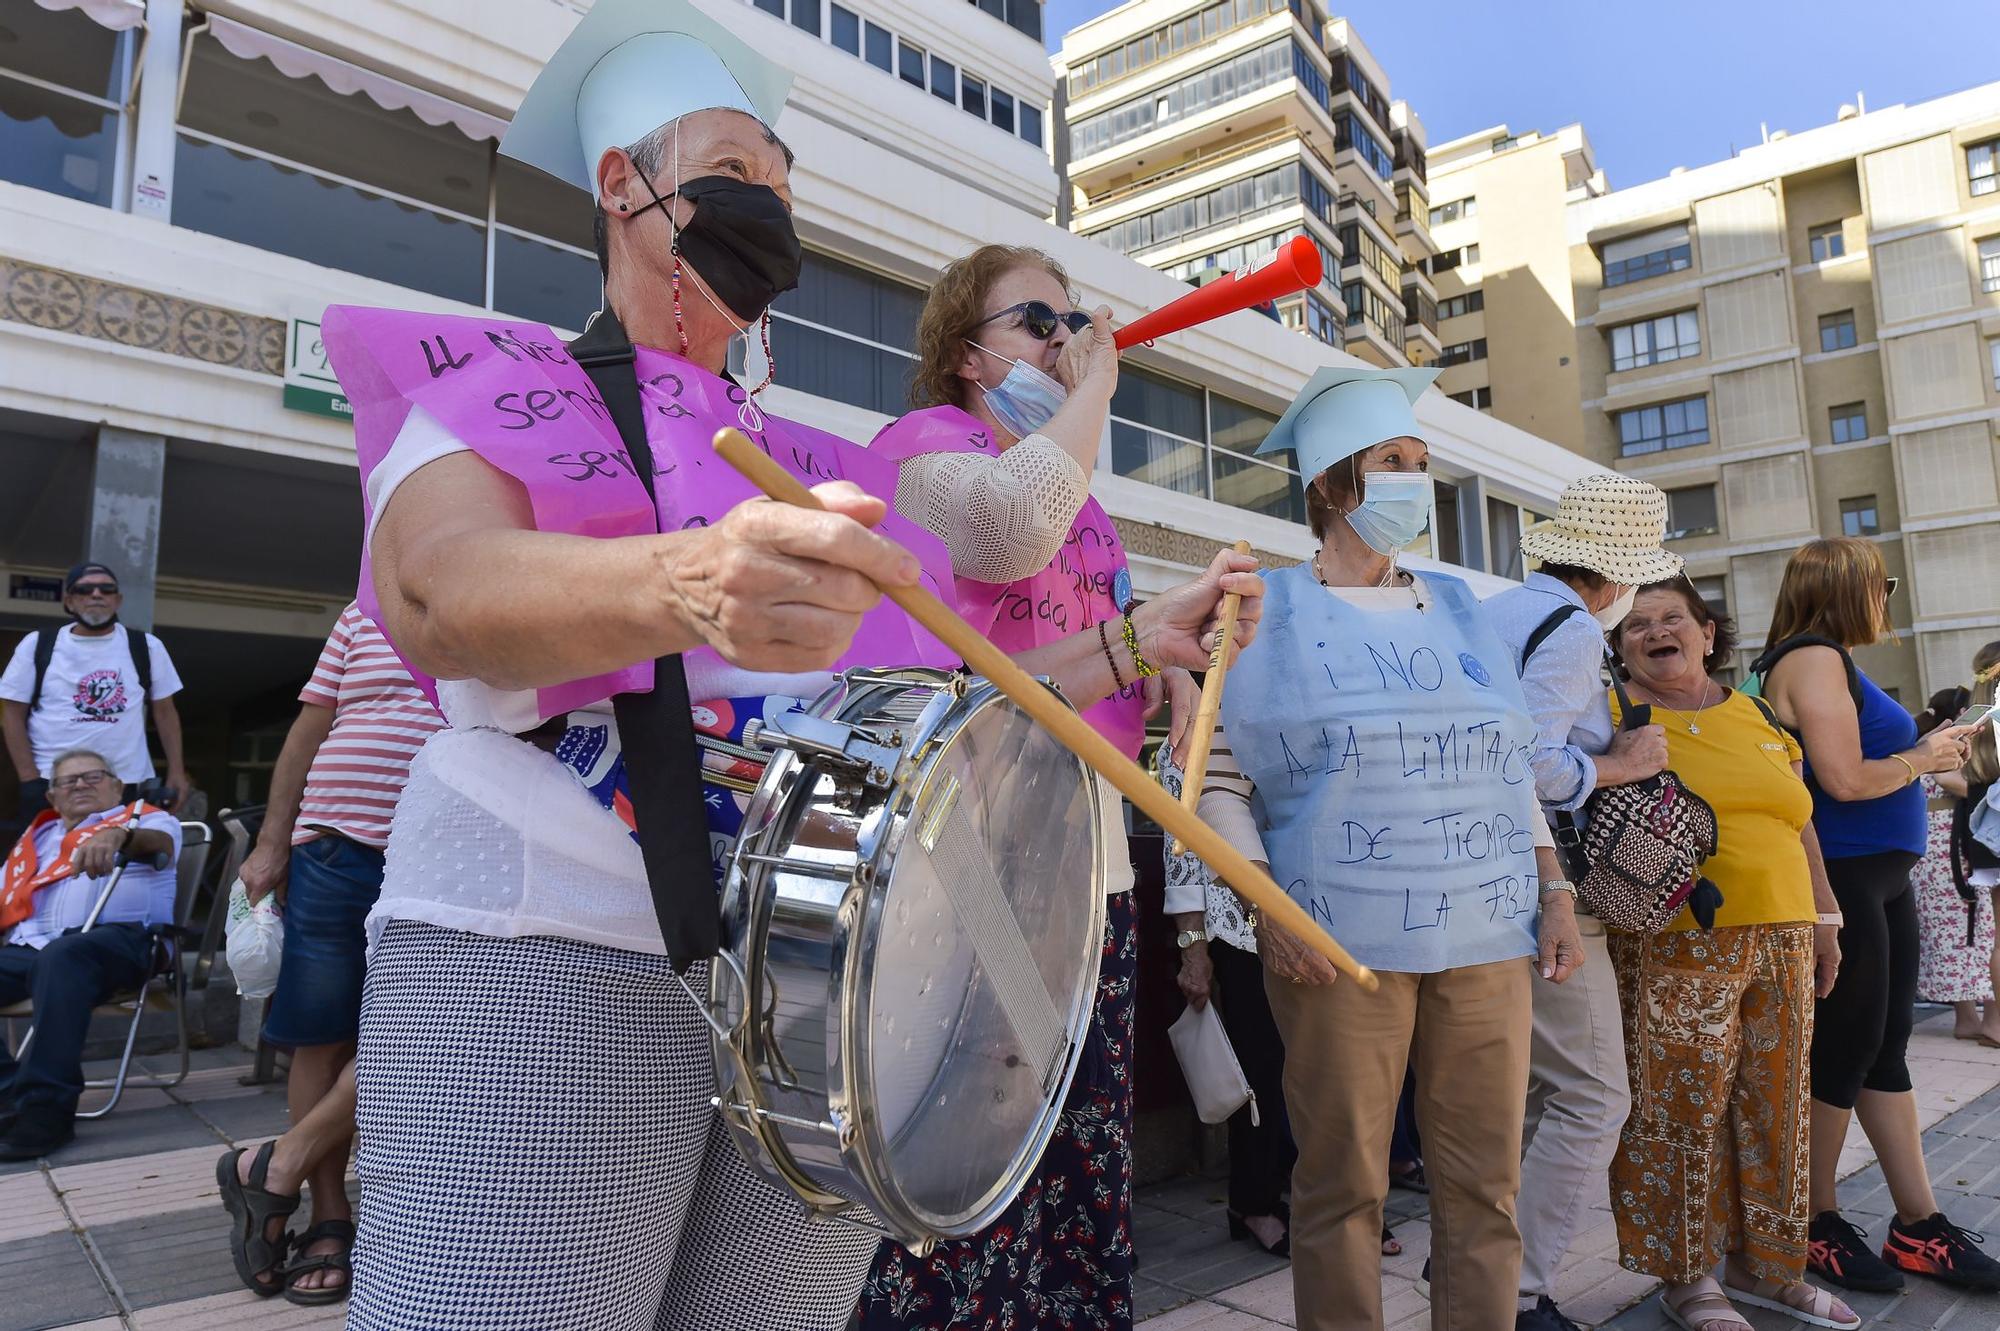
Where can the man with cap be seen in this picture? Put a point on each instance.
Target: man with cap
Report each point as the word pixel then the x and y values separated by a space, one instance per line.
pixel 1603 544
pixel 90 684
pixel 1379 725
pixel 538 1145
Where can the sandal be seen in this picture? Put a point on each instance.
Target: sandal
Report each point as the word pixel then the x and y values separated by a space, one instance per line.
pixel 1240 1229
pixel 253 1208
pixel 1391 1245
pixel 1804 1303
pixel 1410 1177
pixel 1704 1307
pixel 341 1261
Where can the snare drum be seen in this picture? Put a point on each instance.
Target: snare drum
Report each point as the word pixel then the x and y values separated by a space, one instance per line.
pixel 912 920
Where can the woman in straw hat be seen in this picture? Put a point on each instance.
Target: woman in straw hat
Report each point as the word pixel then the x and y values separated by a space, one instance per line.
pixel 1380 724
pixel 1603 543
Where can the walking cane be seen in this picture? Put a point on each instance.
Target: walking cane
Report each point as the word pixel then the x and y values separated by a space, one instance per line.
pixel 1071 730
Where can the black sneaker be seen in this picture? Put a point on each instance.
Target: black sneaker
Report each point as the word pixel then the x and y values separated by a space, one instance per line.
pixel 1838 1253
pixel 1941 1250
pixel 1424 1279
pixel 37 1130
pixel 1544 1316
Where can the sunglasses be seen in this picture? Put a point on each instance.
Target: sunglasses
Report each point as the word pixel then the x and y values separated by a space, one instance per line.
pixel 1889 586
pixel 95 777
pixel 94 589
pixel 1040 318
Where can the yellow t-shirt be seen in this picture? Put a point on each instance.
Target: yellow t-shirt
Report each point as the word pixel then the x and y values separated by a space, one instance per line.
pixel 1742 765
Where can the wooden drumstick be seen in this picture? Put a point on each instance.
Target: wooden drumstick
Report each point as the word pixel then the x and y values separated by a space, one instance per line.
pixel 1205 715
pixel 1060 720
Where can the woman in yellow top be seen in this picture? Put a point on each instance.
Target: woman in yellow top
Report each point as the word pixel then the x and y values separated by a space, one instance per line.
pixel 1711 1164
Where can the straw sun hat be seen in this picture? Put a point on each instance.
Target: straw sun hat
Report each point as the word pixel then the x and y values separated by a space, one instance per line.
pixel 1609 524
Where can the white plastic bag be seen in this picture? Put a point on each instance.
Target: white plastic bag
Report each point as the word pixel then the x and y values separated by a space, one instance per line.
pixel 256 937
pixel 1213 1075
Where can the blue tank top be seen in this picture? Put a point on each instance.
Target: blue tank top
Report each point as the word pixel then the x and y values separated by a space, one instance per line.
pixel 1848 828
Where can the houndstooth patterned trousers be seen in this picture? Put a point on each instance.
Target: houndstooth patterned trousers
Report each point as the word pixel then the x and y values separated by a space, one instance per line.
pixel 537 1153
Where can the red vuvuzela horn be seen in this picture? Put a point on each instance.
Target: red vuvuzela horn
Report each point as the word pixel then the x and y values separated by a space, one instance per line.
pixel 1293 267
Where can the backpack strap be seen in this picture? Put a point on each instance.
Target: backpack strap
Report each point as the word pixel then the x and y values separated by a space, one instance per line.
pixel 656 729
pixel 45 652
pixel 1556 618
pixel 140 643
pixel 1769 715
pixel 1764 664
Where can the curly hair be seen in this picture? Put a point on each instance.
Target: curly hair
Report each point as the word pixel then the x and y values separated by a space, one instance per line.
pixel 954 308
pixel 1703 613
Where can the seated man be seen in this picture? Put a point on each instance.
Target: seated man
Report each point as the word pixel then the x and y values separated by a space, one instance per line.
pixel 53 877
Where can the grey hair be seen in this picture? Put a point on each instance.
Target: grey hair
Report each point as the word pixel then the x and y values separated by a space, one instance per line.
pixel 70 755
pixel 649 154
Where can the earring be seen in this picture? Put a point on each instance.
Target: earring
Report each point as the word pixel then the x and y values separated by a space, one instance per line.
pixel 623 207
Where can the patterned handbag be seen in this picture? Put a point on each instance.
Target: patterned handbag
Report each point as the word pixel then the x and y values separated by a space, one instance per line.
pixel 1642 847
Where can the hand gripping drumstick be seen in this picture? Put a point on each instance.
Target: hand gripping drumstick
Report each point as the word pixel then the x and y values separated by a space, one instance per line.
pixel 1196 770
pixel 1072 730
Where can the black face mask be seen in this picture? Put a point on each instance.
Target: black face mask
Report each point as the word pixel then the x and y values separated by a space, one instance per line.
pixel 740 241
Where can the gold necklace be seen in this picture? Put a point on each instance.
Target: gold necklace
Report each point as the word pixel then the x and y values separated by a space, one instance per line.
pixel 1690 722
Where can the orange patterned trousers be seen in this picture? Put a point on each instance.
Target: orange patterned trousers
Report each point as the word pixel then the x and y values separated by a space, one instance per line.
pixel 1712 1159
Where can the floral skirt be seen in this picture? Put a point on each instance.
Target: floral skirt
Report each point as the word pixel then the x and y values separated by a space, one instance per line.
pixel 1061 1255
pixel 1950 967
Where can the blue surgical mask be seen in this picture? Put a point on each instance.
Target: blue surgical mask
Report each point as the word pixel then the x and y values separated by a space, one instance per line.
pixel 1025 400
pixel 1395 508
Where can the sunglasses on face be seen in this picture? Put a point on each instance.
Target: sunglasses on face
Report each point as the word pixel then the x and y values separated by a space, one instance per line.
pixel 1040 318
pixel 97 776
pixel 94 589
pixel 1889 586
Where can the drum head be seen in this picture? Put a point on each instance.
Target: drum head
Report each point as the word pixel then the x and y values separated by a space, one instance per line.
pixel 982 965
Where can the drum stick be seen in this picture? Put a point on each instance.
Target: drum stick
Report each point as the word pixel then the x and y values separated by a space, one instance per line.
pixel 1061 720
pixel 1196 770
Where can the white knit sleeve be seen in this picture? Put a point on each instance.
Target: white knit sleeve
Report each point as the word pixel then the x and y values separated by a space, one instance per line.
pixel 1003 518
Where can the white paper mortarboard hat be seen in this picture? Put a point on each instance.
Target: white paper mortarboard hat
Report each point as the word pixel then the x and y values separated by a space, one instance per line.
pixel 628 68
pixel 1344 409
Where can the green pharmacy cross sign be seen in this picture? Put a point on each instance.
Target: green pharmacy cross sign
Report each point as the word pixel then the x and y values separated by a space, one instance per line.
pixel 310 384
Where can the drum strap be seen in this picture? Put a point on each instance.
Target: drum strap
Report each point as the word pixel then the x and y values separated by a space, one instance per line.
pixel 656 729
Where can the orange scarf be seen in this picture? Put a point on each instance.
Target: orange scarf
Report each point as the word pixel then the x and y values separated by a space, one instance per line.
pixel 24 876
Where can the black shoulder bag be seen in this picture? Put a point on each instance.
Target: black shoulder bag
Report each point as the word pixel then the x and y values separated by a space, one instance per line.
pixel 656 730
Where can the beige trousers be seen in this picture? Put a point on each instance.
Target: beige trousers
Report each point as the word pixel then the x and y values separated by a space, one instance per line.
pixel 1345 1051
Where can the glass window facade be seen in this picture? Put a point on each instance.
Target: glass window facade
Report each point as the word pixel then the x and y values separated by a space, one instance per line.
pixel 1190 96
pixel 1680 424
pixel 1982 167
pixel 1642 266
pixel 1451 212
pixel 1655 341
pixel 1349 132
pixel 1264 192
pixel 1691 511
pixel 63 82
pixel 844 333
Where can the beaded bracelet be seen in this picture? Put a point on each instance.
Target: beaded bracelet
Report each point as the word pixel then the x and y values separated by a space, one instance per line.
pixel 1105 642
pixel 1145 668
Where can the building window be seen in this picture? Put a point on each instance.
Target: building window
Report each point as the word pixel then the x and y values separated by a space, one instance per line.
pixel 1715 591
pixel 1157 433
pixel 910 63
pixel 1449 259
pixel 1993 359
pixel 1982 166
pixel 1219 83
pixel 944 79
pixel 1358 246
pixel 1849 422
pixel 1858 517
pixel 842 333
pixel 1025 16
pixel 1031 123
pixel 1836 331
pixel 1451 212
pixel 846 29
pixel 1479 399
pixel 1472 302
pixel 972 96
pixel 1826 242
pixel 1364 305
pixel 1281 187
pixel 1654 254
pixel 1162 43
pixel 63 82
pixel 1461 353
pixel 1349 132
pixel 1655 341
pixel 776 7
pixel 1691 511
pixel 1989 264
pixel 1681 424
pixel 805 15
pixel 877 49
pixel 1003 110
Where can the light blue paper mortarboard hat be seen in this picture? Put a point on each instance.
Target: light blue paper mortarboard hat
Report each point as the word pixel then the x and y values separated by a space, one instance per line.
pixel 1344 409
pixel 628 68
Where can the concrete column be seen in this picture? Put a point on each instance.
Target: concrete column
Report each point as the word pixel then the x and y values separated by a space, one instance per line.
pixel 1472 523
pixel 153 121
pixel 126 487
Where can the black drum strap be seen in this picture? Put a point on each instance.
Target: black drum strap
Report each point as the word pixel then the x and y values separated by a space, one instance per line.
pixel 656 730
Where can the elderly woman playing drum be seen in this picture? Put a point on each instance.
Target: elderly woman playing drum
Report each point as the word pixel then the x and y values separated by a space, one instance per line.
pixel 1013 388
pixel 1380 727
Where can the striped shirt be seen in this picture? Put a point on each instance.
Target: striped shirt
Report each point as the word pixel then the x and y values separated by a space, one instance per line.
pixel 380 720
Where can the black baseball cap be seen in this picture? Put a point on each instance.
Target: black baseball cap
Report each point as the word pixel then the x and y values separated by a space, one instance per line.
pixel 81 571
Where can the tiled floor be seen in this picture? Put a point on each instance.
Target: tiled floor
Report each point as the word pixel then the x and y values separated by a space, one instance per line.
pixel 1193 1278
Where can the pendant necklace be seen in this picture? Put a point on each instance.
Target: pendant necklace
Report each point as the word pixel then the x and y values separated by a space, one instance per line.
pixel 1691 722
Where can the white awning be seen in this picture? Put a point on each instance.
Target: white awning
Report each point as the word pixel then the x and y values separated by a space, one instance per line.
pixel 117 15
pixel 299 62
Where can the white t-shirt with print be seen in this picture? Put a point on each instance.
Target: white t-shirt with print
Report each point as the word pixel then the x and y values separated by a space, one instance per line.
pixel 90 699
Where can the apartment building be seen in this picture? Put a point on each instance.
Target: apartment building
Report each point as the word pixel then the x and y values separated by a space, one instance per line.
pixel 1805 340
pixel 1497 213
pixel 184 190
pixel 1202 134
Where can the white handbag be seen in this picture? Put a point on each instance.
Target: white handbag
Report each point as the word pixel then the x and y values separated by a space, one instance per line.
pixel 1210 1066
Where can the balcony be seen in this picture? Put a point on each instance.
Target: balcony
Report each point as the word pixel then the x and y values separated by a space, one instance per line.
pixel 1409 157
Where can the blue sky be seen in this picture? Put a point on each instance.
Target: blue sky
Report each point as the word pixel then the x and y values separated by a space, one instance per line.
pixel 1663 84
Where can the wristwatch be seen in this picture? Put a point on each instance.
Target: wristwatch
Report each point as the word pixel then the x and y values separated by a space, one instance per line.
pixel 1187 938
pixel 1559 885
